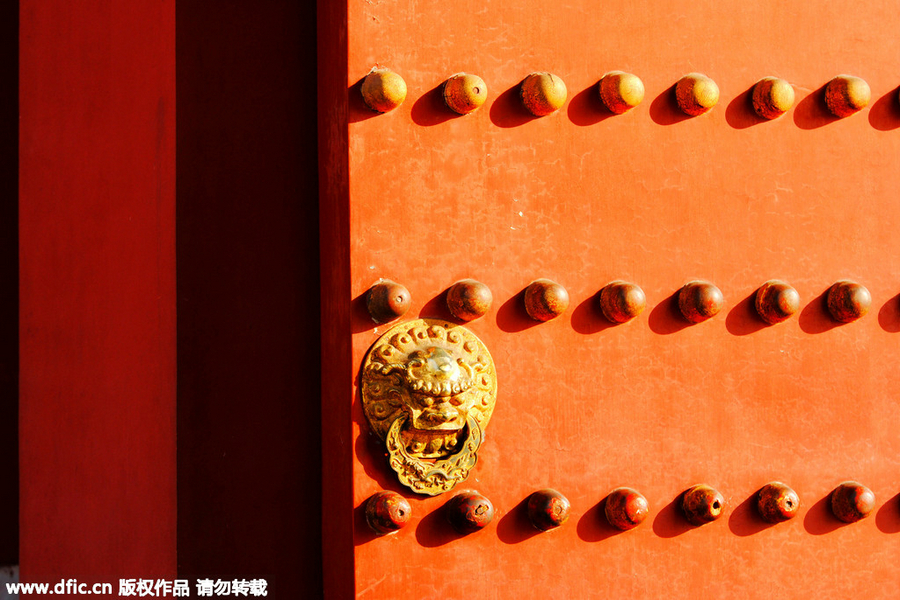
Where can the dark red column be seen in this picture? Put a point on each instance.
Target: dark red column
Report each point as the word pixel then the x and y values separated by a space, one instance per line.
pixel 9 278
pixel 97 290
pixel 248 295
pixel 334 233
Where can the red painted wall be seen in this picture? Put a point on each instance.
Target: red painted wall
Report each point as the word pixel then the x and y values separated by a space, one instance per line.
pixel 583 197
pixel 97 290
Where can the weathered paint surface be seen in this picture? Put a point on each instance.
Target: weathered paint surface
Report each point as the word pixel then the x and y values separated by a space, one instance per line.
pixel 584 197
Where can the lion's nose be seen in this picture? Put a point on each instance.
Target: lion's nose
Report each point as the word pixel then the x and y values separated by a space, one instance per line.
pixel 443 415
pixel 443 369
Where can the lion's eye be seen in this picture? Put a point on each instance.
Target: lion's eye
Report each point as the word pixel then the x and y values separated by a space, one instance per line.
pixel 456 400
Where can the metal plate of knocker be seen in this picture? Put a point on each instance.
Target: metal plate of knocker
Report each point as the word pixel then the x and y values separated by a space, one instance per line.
pixel 428 391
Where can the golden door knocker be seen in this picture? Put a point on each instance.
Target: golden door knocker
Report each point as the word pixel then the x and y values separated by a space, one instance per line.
pixel 428 390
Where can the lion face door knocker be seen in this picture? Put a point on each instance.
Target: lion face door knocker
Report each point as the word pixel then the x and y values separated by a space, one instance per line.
pixel 428 390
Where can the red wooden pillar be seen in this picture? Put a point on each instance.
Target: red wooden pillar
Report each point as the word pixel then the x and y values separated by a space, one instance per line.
pixel 97 290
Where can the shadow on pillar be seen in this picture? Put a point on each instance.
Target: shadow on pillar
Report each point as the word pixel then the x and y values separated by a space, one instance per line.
pixel 248 294
pixel 9 283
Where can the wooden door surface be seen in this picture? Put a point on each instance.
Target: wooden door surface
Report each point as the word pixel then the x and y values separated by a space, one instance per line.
pixel 584 197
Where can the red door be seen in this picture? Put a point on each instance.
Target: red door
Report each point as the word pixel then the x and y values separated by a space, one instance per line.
pixel 583 197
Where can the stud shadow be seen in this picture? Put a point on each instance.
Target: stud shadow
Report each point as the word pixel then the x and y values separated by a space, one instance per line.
pixel 435 530
pixel 884 115
pixel 511 316
pixel 889 315
pixel 664 108
pixel 357 109
pixel 593 525
pixel 740 114
pixel 362 533
pixel 743 318
pixel 812 112
pixel 436 308
pixel 515 526
pixel 819 519
pixel 670 521
pixel 431 109
pixel 887 519
pixel 508 111
pixel 666 318
pixel 586 108
pixel 587 318
pixel 360 319
pixel 745 519
pixel 815 318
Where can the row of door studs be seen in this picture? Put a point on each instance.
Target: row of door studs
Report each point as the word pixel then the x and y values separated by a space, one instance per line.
pixel 544 93
pixel 621 301
pixel 625 508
